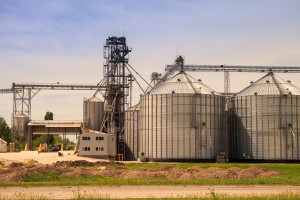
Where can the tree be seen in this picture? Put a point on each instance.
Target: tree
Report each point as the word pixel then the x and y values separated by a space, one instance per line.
pixel 5 131
pixel 48 116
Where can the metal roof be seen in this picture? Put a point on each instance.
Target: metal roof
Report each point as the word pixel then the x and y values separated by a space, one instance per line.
pixel 270 84
pixel 52 123
pixel 94 99
pixel 135 107
pixel 182 83
pixel 2 141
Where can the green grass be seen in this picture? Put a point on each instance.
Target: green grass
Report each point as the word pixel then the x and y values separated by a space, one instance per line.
pixel 291 176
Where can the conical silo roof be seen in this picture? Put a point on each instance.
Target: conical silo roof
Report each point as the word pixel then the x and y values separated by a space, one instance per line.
pixel 182 83
pixel 135 107
pixel 94 99
pixel 270 84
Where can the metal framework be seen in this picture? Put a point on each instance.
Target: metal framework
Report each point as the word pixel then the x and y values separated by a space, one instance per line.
pixel 24 92
pixel 116 83
pixel 230 68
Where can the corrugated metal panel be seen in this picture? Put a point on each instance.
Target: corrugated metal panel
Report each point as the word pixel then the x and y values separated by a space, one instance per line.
pixel 266 127
pixel 183 84
pixel 181 126
pixel 131 132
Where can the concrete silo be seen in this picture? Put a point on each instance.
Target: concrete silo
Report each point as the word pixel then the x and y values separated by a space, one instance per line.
pixel 266 121
pixel 93 113
pixel 131 132
pixel 181 120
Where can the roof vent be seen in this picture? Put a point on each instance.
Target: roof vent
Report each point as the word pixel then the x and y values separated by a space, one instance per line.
pixel 251 82
pixel 289 81
pixel 268 81
pixel 255 93
pixel 199 80
pixel 173 92
pixel 179 80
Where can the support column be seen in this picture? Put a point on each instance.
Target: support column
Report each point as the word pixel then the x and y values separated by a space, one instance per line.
pixel 29 138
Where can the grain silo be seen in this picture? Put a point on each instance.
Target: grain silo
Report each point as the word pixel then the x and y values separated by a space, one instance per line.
pixel 181 120
pixel 131 133
pixel 266 121
pixel 93 112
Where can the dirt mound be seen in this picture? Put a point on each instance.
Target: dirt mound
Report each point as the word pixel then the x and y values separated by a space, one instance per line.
pixel 83 163
pixel 16 172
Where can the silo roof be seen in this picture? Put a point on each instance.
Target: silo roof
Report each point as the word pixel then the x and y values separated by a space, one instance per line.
pixel 270 84
pixel 135 107
pixel 95 99
pixel 184 84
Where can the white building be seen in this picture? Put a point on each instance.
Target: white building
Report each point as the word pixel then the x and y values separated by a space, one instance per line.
pixel 3 146
pixel 97 145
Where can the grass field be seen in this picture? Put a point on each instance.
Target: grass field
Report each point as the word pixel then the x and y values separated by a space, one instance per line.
pixel 291 176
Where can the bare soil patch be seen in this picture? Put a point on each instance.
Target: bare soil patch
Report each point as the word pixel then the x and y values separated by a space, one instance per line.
pixel 16 171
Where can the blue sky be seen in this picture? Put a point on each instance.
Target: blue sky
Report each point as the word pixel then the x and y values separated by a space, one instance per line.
pixel 58 40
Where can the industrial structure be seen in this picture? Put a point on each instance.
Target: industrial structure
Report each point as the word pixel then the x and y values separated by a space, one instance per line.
pixel 22 96
pixel 131 132
pixel 177 118
pixel 181 120
pixel 266 121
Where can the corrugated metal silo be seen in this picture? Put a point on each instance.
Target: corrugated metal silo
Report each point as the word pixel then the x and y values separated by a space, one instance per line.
pixel 181 120
pixel 131 132
pixel 266 121
pixel 93 112
pixel 20 125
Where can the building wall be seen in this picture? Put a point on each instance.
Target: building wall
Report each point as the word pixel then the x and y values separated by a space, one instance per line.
pixel 97 145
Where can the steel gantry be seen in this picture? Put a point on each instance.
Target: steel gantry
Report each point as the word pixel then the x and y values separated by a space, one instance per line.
pixel 24 92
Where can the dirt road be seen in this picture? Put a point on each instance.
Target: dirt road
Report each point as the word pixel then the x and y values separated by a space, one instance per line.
pixel 143 191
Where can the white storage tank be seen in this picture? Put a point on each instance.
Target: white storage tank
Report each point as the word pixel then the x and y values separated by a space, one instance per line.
pixel 266 123
pixel 181 120
pixel 93 113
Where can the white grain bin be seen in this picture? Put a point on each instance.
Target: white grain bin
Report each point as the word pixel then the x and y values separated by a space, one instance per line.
pixel 131 132
pixel 93 113
pixel 181 120
pixel 266 124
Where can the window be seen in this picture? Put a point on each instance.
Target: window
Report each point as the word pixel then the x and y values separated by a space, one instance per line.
pixel 85 138
pixel 97 138
pixel 101 138
pixel 102 149
pixel 96 148
pixel 86 148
